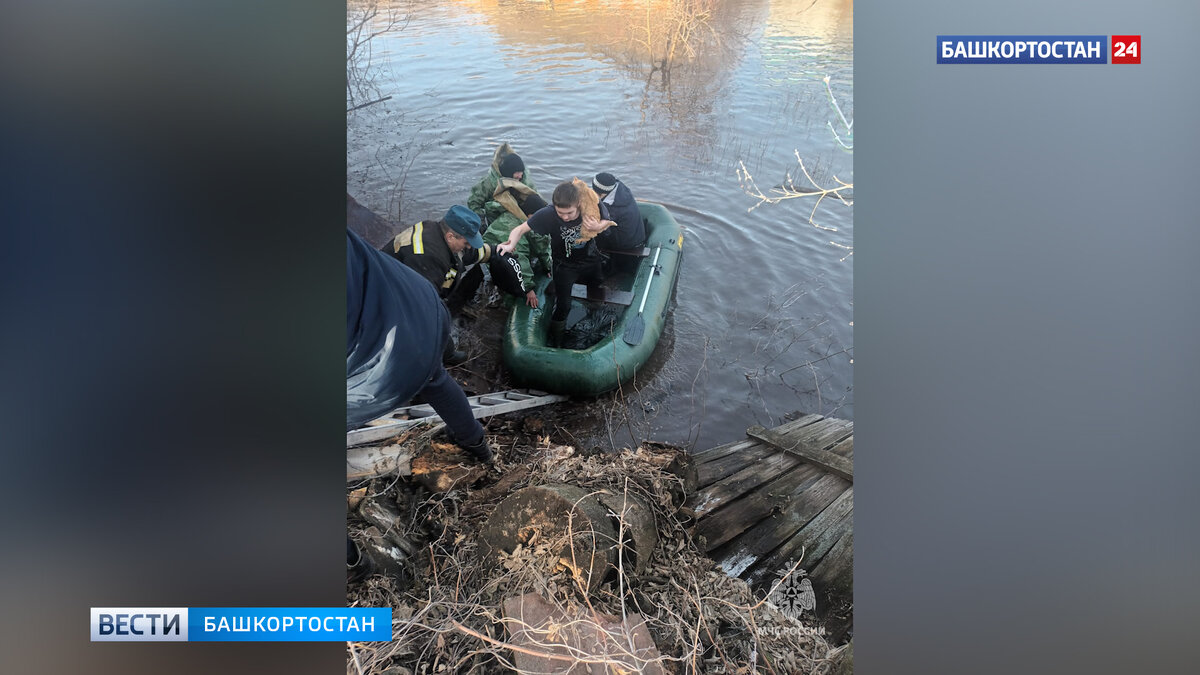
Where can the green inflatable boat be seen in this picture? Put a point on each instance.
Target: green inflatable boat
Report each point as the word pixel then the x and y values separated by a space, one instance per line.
pixel 642 295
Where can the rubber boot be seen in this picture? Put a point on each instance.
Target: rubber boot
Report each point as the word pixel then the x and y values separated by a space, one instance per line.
pixel 480 451
pixel 554 338
pixel 451 356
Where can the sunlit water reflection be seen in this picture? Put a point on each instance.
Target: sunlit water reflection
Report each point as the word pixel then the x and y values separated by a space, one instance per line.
pixel 763 325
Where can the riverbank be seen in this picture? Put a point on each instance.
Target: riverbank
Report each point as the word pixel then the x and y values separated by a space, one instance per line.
pixel 450 611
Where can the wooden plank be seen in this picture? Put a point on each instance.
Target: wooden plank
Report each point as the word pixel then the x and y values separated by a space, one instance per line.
pixel 835 572
pixel 809 545
pixel 723 524
pixel 766 543
pixel 735 486
pixel 821 542
pixel 711 472
pixel 721 451
pixel 822 532
pixel 844 448
pixel 612 296
pixel 835 464
pixel 799 422
pixel 714 473
pixel 823 434
pixel 767 534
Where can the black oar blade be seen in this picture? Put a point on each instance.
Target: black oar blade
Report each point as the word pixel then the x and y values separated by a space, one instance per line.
pixel 635 330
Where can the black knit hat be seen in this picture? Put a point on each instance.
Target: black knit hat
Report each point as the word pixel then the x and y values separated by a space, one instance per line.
pixel 511 164
pixel 532 204
pixel 604 182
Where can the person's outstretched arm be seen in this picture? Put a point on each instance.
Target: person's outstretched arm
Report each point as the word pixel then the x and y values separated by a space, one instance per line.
pixel 513 238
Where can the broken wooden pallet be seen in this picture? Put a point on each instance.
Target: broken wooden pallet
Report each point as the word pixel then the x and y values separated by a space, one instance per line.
pixel 781 496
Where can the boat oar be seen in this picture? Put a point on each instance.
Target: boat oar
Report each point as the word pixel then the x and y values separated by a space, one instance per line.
pixel 637 327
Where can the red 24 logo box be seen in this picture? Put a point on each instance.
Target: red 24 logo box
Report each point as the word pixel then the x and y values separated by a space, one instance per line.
pixel 1127 49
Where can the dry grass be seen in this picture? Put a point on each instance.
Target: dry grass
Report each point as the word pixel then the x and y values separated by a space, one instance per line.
pixel 450 619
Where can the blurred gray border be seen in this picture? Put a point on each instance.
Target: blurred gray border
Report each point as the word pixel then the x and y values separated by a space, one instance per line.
pixel 1027 275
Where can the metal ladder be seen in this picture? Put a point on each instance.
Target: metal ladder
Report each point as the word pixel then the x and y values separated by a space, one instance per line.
pixel 483 405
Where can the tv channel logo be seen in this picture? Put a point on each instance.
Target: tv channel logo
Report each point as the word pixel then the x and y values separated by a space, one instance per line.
pixel 139 624
pixel 1127 49
pixel 241 624
pixel 1034 49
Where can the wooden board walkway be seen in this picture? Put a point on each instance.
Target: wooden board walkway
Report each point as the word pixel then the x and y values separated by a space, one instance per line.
pixel 783 493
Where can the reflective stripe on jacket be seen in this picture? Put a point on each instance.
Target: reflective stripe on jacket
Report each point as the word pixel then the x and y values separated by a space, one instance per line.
pixel 423 247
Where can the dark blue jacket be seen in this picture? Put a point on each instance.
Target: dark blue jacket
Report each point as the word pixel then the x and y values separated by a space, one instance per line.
pixel 630 232
pixel 396 329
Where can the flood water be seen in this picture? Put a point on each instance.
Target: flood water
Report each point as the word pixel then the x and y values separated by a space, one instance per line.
pixel 763 322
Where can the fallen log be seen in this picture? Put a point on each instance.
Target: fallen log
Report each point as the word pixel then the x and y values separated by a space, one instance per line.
pixel 376 461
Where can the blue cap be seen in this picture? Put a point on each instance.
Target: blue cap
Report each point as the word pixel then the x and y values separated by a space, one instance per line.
pixel 465 222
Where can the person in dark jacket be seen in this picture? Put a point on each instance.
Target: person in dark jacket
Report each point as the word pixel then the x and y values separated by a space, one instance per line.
pixel 630 230
pixel 440 250
pixel 576 256
pixel 396 331
pixel 520 284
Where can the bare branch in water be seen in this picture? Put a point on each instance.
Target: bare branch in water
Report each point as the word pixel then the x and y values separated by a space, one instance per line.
pixel 789 190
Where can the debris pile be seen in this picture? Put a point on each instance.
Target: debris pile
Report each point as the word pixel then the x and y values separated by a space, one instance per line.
pixel 563 561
